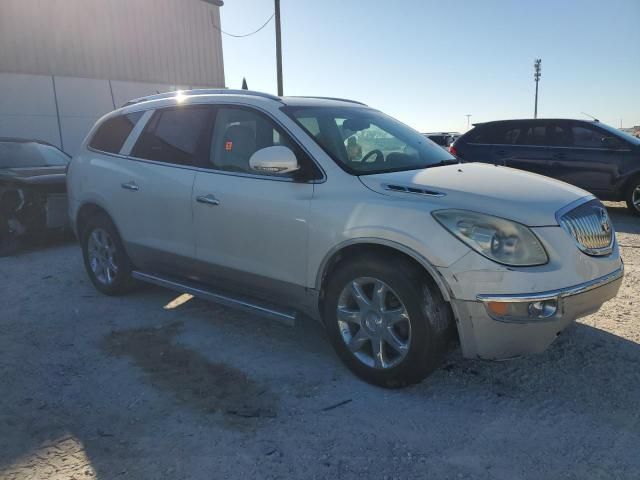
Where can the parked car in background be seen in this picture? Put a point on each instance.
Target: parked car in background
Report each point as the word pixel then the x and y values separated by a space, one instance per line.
pixel 33 196
pixel 444 139
pixel 253 201
pixel 591 155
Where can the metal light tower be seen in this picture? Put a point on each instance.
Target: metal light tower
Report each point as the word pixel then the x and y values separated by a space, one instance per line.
pixel 278 47
pixel 468 115
pixel 537 68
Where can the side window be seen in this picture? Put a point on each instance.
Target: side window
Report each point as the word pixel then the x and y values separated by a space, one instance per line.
pixel 511 136
pixel 586 137
pixel 498 134
pixel 113 132
pixel 560 135
pixel 534 134
pixel 482 134
pixel 176 135
pixel 238 134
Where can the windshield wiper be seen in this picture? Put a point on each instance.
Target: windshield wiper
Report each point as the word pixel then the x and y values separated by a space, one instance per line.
pixel 449 161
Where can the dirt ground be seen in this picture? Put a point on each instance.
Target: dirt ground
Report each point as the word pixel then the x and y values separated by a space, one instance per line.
pixel 138 387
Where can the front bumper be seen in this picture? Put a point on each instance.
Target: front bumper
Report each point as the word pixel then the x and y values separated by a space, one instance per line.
pixel 483 335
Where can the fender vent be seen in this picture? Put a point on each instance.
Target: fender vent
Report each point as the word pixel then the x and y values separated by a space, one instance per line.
pixel 416 190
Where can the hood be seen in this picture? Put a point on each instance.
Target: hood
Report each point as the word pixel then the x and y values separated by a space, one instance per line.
pixel 525 197
pixel 34 175
pixel 50 179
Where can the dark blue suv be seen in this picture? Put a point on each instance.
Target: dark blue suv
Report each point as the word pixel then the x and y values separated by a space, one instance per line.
pixel 588 154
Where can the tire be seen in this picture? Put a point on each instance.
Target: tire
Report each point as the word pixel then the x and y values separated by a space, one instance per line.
pixel 425 338
pixel 632 196
pixel 105 258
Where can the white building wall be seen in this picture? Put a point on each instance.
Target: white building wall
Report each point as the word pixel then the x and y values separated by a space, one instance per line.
pixel 32 105
pixel 65 63
pixel 161 41
pixel 27 107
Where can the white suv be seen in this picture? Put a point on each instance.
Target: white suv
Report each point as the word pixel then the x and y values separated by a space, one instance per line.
pixel 332 209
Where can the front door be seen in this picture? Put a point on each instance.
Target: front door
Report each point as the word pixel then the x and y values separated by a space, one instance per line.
pixel 251 228
pixel 580 156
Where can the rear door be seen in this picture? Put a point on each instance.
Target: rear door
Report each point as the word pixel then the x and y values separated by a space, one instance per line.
pixel 173 144
pixel 525 147
pixel 108 170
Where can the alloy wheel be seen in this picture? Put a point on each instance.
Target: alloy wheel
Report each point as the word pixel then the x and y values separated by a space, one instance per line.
pixel 374 323
pixel 101 251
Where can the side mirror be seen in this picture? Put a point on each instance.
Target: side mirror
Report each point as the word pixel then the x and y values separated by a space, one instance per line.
pixel 276 160
pixel 611 142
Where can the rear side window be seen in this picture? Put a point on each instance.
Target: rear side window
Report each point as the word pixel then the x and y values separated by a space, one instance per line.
pixel 113 132
pixel 497 133
pixel 176 135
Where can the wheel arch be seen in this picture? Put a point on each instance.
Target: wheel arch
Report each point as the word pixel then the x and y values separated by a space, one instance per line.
pixel 629 181
pixel 86 211
pixel 376 245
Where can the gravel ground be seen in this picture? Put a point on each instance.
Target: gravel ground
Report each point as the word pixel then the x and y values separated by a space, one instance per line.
pixel 110 388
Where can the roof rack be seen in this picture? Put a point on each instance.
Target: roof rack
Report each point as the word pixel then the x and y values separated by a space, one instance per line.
pixel 201 91
pixel 332 98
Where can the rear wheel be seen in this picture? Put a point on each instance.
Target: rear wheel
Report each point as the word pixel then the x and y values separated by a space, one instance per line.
pixel 388 323
pixel 632 196
pixel 105 259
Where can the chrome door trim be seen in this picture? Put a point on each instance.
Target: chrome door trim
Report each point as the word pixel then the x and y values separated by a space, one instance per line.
pixel 286 316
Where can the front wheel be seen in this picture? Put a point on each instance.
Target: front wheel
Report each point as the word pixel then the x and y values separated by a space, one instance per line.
pixel 633 197
pixel 388 323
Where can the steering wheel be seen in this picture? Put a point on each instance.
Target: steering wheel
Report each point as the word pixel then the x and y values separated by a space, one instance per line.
pixel 379 157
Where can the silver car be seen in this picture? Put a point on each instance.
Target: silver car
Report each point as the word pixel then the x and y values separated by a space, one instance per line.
pixel 324 207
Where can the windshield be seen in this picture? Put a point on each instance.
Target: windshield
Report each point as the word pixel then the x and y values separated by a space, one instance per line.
pixel 364 141
pixel 31 154
pixel 627 136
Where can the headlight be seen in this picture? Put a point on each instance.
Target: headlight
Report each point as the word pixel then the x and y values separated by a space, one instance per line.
pixel 498 239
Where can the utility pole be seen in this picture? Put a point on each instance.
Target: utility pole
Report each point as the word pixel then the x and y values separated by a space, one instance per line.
pixel 537 68
pixel 278 47
pixel 468 115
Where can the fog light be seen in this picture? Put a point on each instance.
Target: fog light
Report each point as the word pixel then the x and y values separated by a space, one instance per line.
pixel 543 309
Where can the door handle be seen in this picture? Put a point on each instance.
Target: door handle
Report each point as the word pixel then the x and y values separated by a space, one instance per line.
pixel 560 156
pixel 208 199
pixel 130 186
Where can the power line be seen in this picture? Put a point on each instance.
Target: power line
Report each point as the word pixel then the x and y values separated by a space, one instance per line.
pixel 246 34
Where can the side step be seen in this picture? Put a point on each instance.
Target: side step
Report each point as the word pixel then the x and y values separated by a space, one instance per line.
pixel 263 309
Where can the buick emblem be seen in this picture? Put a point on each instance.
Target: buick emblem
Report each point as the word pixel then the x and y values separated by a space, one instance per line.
pixel 604 220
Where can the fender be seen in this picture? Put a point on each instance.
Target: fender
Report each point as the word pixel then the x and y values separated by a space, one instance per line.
pixel 426 264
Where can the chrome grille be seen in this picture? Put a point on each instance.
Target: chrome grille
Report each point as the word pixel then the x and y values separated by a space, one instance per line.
pixel 590 227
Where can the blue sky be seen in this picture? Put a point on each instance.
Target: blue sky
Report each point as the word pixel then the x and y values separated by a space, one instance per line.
pixel 429 63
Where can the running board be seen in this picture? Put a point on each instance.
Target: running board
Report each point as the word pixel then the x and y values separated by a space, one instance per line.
pixel 263 309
